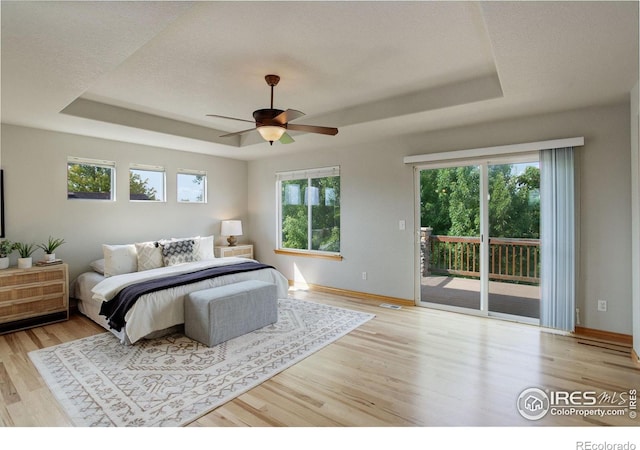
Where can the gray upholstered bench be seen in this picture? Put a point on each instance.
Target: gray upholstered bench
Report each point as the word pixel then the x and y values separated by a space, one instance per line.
pixel 215 315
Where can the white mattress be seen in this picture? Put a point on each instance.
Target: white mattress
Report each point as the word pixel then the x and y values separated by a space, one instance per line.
pixel 156 312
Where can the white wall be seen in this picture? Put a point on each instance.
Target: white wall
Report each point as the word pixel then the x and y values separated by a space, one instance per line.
pixel 635 214
pixel 36 205
pixel 377 191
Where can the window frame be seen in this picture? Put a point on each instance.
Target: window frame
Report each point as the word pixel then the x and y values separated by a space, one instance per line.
pixel 149 168
pixel 308 175
pixel 205 186
pixel 111 165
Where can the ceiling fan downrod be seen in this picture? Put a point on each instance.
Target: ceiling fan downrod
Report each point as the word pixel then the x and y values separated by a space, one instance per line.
pixel 272 80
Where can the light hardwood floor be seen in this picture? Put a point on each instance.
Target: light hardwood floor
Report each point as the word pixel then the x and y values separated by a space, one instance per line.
pixel 410 367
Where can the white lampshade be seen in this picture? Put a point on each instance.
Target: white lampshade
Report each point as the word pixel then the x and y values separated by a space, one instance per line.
pixel 271 133
pixel 231 228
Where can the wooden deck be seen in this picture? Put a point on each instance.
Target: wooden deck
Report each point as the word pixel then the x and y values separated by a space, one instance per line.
pixel 507 298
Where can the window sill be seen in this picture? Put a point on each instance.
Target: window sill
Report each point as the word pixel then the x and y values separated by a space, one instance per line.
pixel 309 254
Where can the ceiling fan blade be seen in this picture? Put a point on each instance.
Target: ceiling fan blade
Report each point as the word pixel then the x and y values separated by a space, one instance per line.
pixel 312 129
pixel 231 118
pixel 237 133
pixel 288 116
pixel 286 139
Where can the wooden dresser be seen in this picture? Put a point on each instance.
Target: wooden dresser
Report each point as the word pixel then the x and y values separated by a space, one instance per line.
pixel 34 296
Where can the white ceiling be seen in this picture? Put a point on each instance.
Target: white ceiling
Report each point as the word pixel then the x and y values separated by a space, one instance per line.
pixel 149 72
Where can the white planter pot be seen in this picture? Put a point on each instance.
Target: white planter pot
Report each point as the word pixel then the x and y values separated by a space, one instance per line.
pixel 49 257
pixel 25 263
pixel 4 262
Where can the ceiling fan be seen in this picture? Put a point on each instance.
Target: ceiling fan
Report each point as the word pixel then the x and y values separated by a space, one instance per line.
pixel 272 124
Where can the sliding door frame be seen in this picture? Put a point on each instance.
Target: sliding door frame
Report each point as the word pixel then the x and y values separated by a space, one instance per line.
pixel 483 163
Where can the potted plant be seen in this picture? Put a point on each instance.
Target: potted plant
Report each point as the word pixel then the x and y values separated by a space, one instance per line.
pixel 25 251
pixel 6 247
pixel 50 248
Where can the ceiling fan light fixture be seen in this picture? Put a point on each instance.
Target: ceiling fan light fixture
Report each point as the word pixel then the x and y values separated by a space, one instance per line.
pixel 271 132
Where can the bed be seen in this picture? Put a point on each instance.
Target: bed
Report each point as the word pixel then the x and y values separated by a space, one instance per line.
pixel 161 312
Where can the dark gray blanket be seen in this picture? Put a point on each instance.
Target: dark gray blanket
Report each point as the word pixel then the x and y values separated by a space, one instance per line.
pixel 116 308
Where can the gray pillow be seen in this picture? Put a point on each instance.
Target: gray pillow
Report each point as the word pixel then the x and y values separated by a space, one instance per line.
pixel 177 252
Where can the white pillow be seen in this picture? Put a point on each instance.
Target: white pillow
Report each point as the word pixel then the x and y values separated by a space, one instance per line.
pixel 149 255
pixel 196 248
pixel 206 248
pixel 119 259
pixel 98 266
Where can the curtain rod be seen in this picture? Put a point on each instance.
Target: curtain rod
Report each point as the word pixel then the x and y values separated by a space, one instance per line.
pixel 493 151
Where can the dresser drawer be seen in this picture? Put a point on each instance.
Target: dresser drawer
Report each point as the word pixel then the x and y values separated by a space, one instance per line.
pixel 31 291
pixel 19 310
pixel 30 277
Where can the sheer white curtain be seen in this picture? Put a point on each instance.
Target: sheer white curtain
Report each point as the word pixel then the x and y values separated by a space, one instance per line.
pixel 557 239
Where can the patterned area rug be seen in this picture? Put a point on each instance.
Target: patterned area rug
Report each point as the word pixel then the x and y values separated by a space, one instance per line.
pixel 173 380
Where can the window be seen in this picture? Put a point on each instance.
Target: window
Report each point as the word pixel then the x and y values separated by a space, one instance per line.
pixel 146 183
pixel 192 186
pixel 309 210
pixel 90 179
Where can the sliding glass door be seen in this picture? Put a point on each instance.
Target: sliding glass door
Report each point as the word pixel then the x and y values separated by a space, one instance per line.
pixel 479 237
pixel 514 239
pixel 450 237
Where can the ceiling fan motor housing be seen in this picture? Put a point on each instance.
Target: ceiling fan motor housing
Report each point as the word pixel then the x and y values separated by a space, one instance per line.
pixel 264 117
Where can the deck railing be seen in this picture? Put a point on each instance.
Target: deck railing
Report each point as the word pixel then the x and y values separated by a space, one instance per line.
pixel 509 259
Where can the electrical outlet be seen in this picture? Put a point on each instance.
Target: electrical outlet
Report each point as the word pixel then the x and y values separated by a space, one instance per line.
pixel 577 316
pixel 364 275
pixel 602 305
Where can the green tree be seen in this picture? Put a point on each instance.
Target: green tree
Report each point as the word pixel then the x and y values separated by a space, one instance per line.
pixel 434 195
pixel 501 205
pixel 528 197
pixel 294 230
pixel 294 214
pixel 324 195
pixel 450 201
pixel 88 178
pixel 140 189
pixel 325 215
pixel 514 207
pixel 464 203
pixel 198 179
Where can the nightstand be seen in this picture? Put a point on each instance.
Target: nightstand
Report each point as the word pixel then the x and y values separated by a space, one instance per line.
pixel 240 251
pixel 33 297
